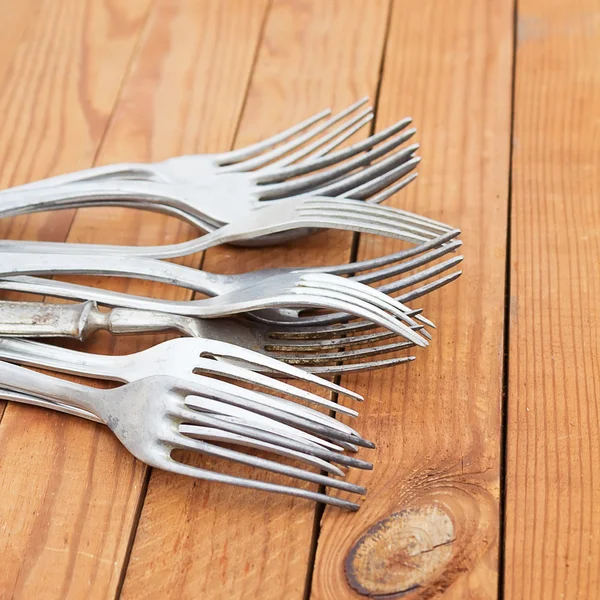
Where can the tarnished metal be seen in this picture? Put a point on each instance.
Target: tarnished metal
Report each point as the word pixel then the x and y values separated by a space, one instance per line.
pixel 175 399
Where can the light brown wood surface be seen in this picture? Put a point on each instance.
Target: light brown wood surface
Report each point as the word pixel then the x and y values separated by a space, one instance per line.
pixel 101 81
pixel 430 520
pixel 553 443
pixel 217 541
pixel 73 502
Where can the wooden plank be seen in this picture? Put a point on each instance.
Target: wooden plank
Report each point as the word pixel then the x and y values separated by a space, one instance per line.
pixel 214 541
pixel 69 492
pixel 17 20
pixel 62 84
pixel 552 547
pixel 429 524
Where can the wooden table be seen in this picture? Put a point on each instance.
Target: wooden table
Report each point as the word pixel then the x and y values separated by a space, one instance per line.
pixel 487 472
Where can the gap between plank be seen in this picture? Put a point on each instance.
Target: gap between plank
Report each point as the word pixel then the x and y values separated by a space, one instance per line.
pixel 506 338
pixel 353 254
pixel 147 475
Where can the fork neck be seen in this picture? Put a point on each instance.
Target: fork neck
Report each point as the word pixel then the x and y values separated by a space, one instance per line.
pixel 64 360
pixel 49 388
pixel 211 284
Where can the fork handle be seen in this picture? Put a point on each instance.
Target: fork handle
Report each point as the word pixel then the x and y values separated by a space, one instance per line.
pixel 87 193
pixel 103 172
pixel 76 321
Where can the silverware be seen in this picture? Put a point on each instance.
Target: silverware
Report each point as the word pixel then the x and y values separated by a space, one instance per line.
pixel 264 218
pixel 156 415
pixel 316 350
pixel 272 154
pixel 280 290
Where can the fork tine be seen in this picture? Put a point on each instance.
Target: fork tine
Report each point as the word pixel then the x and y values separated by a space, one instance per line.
pixel 291 330
pixel 365 293
pixel 248 418
pixel 430 287
pixel 408 265
pixel 333 144
pixel 290 413
pixel 376 184
pixel 273 433
pixel 335 137
pixel 225 158
pixel 358 215
pixel 373 313
pixel 266 157
pixel 186 443
pixel 329 357
pixel 374 263
pixel 341 317
pixel 242 374
pixel 420 276
pixel 339 168
pixel 170 464
pixel 406 233
pixel 226 350
pixel 310 345
pixel 368 173
pixel 279 406
pixel 212 434
pixel 324 428
pixel 389 192
pixel 357 367
pixel 371 141
pixel 392 215
pixel 344 217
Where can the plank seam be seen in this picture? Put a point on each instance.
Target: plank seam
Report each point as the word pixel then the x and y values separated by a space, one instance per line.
pixel 148 473
pixel 506 337
pixel 353 254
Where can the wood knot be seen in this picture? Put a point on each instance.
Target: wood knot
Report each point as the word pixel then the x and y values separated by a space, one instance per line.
pixel 401 552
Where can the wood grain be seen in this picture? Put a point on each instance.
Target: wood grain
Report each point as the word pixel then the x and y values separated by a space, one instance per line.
pixel 430 522
pixel 18 19
pixel 213 541
pixel 62 85
pixel 553 447
pixel 70 492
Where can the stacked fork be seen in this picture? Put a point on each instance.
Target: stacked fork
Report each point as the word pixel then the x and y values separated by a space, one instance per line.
pixel 253 326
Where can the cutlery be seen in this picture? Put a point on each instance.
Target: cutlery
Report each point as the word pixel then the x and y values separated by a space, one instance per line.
pixel 156 415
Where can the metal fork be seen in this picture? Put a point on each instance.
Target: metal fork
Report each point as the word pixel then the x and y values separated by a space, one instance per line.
pixel 367 271
pixel 265 218
pixel 292 289
pixel 193 201
pixel 270 159
pixel 216 284
pixel 213 284
pixel 316 350
pixel 156 415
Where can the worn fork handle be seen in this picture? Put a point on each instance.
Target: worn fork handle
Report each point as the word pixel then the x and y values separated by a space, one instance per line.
pixel 211 284
pixel 102 192
pixel 31 400
pixel 79 321
pixel 127 171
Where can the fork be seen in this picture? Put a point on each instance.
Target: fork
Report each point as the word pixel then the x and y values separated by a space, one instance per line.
pixel 156 415
pixel 213 284
pixel 316 350
pixel 207 205
pixel 221 286
pixel 263 218
pixel 367 271
pixel 292 289
pixel 269 162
